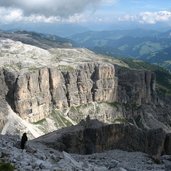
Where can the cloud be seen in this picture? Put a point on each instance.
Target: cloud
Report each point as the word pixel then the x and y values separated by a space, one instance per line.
pixel 127 17
pixel 47 8
pixel 154 17
pixel 10 15
pixel 148 17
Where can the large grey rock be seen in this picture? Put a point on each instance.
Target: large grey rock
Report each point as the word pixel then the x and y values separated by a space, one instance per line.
pixel 87 140
pixel 167 149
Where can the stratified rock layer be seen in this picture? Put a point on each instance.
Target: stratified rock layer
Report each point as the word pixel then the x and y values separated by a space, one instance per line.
pixel 34 94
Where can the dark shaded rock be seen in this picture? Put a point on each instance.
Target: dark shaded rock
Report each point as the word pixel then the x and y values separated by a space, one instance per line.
pixel 83 140
pixel 167 145
pixel 155 140
pixel 135 86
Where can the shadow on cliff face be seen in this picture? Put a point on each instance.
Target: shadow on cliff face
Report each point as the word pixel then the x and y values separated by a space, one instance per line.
pixel 3 104
pixel 94 136
pixel 10 80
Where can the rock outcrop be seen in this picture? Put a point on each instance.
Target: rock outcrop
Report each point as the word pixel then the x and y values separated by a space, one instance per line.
pixel 93 137
pixel 34 94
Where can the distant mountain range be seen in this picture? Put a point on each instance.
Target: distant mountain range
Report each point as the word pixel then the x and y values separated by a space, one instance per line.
pixel 148 45
pixel 61 30
pixel 45 41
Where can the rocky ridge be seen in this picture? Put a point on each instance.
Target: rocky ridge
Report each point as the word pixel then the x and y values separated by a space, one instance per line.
pixel 59 87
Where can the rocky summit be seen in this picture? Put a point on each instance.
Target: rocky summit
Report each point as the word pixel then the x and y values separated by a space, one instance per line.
pixel 48 88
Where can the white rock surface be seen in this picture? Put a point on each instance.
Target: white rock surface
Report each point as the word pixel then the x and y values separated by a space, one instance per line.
pixel 20 56
pixel 14 123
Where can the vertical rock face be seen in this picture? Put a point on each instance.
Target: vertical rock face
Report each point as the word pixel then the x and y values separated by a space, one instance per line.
pixel 57 88
pixel 105 83
pixel 32 96
pixel 93 137
pixel 91 82
pixel 3 105
pixel 136 87
pixel 35 93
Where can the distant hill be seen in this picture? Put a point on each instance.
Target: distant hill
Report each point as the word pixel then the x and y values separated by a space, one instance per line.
pixel 45 41
pixel 151 46
pixel 60 29
pixel 161 57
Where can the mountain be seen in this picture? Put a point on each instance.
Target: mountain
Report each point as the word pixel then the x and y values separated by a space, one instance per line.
pixel 59 86
pixel 45 41
pixel 148 45
pixel 59 29
pixel 74 100
pixel 116 34
pixel 161 57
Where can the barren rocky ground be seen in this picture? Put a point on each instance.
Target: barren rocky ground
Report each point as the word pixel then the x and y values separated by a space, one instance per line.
pixel 40 157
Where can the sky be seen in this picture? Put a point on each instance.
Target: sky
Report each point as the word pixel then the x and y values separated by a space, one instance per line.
pixel 85 11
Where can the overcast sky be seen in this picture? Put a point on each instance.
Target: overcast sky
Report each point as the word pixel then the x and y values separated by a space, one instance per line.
pixel 84 11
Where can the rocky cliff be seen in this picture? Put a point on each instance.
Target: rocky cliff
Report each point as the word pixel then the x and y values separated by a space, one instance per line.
pixel 3 105
pixel 92 136
pixel 34 94
pixel 59 87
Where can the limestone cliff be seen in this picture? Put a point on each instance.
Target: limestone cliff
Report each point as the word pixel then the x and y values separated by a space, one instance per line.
pixel 34 94
pixel 59 87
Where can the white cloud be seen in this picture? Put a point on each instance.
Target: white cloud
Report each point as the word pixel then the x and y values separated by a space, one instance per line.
pixel 62 8
pixel 48 11
pixel 72 11
pixel 11 15
pixel 127 17
pixel 154 17
pixel 148 17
